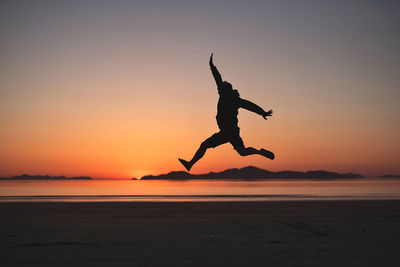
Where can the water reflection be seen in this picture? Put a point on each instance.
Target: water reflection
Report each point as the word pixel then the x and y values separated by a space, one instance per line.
pixel 136 190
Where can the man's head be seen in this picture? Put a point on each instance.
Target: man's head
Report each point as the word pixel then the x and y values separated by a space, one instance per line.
pixel 228 85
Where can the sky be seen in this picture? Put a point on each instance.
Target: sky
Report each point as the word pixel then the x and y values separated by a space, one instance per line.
pixel 120 89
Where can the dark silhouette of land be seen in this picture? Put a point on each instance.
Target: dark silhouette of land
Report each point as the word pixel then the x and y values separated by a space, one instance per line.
pixel 228 105
pixel 44 177
pixel 252 173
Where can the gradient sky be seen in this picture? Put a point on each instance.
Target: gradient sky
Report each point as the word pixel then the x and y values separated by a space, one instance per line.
pixel 123 88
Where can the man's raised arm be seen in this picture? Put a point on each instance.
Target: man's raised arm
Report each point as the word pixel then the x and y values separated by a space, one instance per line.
pixel 254 108
pixel 214 70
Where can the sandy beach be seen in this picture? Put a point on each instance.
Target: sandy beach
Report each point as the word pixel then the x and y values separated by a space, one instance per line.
pixel 292 233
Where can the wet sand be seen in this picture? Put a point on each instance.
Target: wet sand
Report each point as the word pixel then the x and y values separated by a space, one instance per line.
pixel 292 233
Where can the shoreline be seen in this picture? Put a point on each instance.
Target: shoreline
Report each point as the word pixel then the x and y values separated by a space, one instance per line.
pixel 187 199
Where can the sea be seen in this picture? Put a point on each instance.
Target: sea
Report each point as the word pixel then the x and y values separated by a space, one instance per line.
pixel 197 190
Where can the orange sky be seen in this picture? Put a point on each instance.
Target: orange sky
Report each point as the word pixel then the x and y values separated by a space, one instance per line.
pixel 122 90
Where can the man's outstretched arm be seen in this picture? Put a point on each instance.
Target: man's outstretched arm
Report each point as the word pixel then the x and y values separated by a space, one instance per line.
pixel 255 108
pixel 215 72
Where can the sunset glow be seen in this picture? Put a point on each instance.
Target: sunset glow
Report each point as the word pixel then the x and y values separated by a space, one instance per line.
pixel 124 89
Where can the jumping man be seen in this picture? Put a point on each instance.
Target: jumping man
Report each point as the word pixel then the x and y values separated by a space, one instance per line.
pixel 228 104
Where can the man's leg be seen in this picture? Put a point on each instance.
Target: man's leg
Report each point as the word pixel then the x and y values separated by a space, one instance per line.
pixel 245 151
pixel 238 145
pixel 211 142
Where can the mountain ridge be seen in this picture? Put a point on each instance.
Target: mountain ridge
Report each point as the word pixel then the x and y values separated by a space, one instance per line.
pixel 251 173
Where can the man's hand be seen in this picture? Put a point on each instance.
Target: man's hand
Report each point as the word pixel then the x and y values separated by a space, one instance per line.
pixel 211 59
pixel 266 114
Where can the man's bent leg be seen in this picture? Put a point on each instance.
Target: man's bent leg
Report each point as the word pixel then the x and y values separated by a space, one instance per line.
pixel 238 145
pixel 245 151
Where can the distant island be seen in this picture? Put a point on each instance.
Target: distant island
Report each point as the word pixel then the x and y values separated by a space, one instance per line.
pixel 246 173
pixel 251 173
pixel 44 177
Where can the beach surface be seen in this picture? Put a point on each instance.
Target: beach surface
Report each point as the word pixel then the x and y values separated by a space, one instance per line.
pixel 287 233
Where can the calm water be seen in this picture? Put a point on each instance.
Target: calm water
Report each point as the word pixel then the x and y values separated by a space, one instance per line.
pixel 133 190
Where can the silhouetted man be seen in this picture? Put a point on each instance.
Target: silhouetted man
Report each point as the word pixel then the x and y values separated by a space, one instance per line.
pixel 228 104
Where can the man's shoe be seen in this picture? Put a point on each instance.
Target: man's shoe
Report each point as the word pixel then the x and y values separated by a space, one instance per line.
pixel 267 154
pixel 185 164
